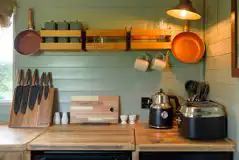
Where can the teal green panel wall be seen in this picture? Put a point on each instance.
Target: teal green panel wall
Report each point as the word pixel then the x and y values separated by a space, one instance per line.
pixel 105 73
pixel 224 88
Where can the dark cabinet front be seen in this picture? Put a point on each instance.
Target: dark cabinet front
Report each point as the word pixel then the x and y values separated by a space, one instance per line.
pixel 76 155
pixel 186 156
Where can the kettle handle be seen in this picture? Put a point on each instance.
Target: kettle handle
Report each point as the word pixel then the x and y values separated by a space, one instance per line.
pixel 175 98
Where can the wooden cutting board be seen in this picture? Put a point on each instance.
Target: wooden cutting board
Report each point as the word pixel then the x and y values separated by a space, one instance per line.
pixel 94 109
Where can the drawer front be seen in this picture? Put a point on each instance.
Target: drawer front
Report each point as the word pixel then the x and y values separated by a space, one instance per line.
pixel 61 155
pixel 11 156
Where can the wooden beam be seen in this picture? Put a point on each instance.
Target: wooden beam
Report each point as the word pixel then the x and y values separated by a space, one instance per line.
pixel 106 46
pixel 60 33
pixel 150 45
pixel 61 46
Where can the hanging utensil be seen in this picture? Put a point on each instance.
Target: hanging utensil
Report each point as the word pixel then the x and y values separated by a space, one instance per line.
pixel 26 89
pixel 18 91
pixel 206 92
pixel 42 84
pixel 28 42
pixel 191 88
pixel 34 90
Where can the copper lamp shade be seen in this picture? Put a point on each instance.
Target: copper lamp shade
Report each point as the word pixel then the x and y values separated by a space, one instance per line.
pixel 184 11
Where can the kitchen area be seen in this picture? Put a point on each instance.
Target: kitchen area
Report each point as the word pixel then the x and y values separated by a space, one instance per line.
pixel 112 80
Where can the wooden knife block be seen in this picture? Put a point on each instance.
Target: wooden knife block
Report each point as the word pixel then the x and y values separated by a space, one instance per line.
pixel 38 117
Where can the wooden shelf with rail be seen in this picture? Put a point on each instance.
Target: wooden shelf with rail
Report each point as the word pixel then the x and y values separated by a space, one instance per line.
pixel 54 46
pixel 148 39
pixel 115 39
pixel 106 35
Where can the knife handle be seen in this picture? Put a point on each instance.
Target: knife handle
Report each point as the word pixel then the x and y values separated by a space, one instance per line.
pixel 49 79
pixel 35 78
pixel 43 79
pixel 20 77
pixel 27 77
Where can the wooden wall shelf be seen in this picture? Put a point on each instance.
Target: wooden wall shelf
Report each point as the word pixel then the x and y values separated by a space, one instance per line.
pixel 136 39
pixel 150 45
pixel 61 46
pixel 150 39
pixel 60 33
pixel 106 46
pixel 106 34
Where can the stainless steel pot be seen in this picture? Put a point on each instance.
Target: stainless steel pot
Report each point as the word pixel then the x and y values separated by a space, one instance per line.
pixel 203 120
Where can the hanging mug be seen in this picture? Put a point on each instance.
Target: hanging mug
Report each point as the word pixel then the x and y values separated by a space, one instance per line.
pixel 142 63
pixel 159 63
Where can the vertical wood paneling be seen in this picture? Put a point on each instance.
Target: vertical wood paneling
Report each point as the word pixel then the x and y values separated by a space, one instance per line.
pixel 105 73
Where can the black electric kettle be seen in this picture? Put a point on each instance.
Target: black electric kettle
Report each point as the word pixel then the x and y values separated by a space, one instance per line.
pixel 162 112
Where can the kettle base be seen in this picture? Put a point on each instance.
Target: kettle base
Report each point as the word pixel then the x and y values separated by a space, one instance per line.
pixel 160 127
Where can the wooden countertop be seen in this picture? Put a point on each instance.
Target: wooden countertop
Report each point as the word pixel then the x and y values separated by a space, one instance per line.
pixel 13 139
pixel 148 139
pixel 85 137
pixel 137 138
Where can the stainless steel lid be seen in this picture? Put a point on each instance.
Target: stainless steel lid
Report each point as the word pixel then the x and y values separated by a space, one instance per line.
pixel 160 98
pixel 204 109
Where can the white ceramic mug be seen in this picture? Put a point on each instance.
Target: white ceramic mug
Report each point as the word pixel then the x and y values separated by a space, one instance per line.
pixel 158 64
pixel 142 64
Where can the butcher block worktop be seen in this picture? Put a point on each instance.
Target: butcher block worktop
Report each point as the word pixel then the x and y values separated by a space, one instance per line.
pixel 85 137
pixel 137 138
pixel 148 139
pixel 16 139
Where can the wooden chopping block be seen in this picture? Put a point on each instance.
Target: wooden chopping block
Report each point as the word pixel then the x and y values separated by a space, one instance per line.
pixel 94 109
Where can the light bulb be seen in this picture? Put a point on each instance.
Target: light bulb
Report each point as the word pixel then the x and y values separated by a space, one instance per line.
pixel 183 13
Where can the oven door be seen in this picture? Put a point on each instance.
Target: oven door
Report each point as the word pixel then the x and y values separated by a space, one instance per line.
pixel 76 155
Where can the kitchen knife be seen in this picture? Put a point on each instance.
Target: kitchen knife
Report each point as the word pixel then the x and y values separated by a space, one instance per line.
pixel 48 84
pixel 41 87
pixel 34 90
pixel 25 92
pixel 18 92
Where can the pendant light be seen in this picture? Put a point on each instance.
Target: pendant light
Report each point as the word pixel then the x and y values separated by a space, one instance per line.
pixel 184 11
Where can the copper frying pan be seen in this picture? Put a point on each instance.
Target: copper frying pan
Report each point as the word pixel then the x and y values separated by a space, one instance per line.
pixel 28 42
pixel 188 47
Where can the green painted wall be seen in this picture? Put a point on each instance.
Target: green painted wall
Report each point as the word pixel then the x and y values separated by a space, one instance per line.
pixel 224 88
pixel 104 73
